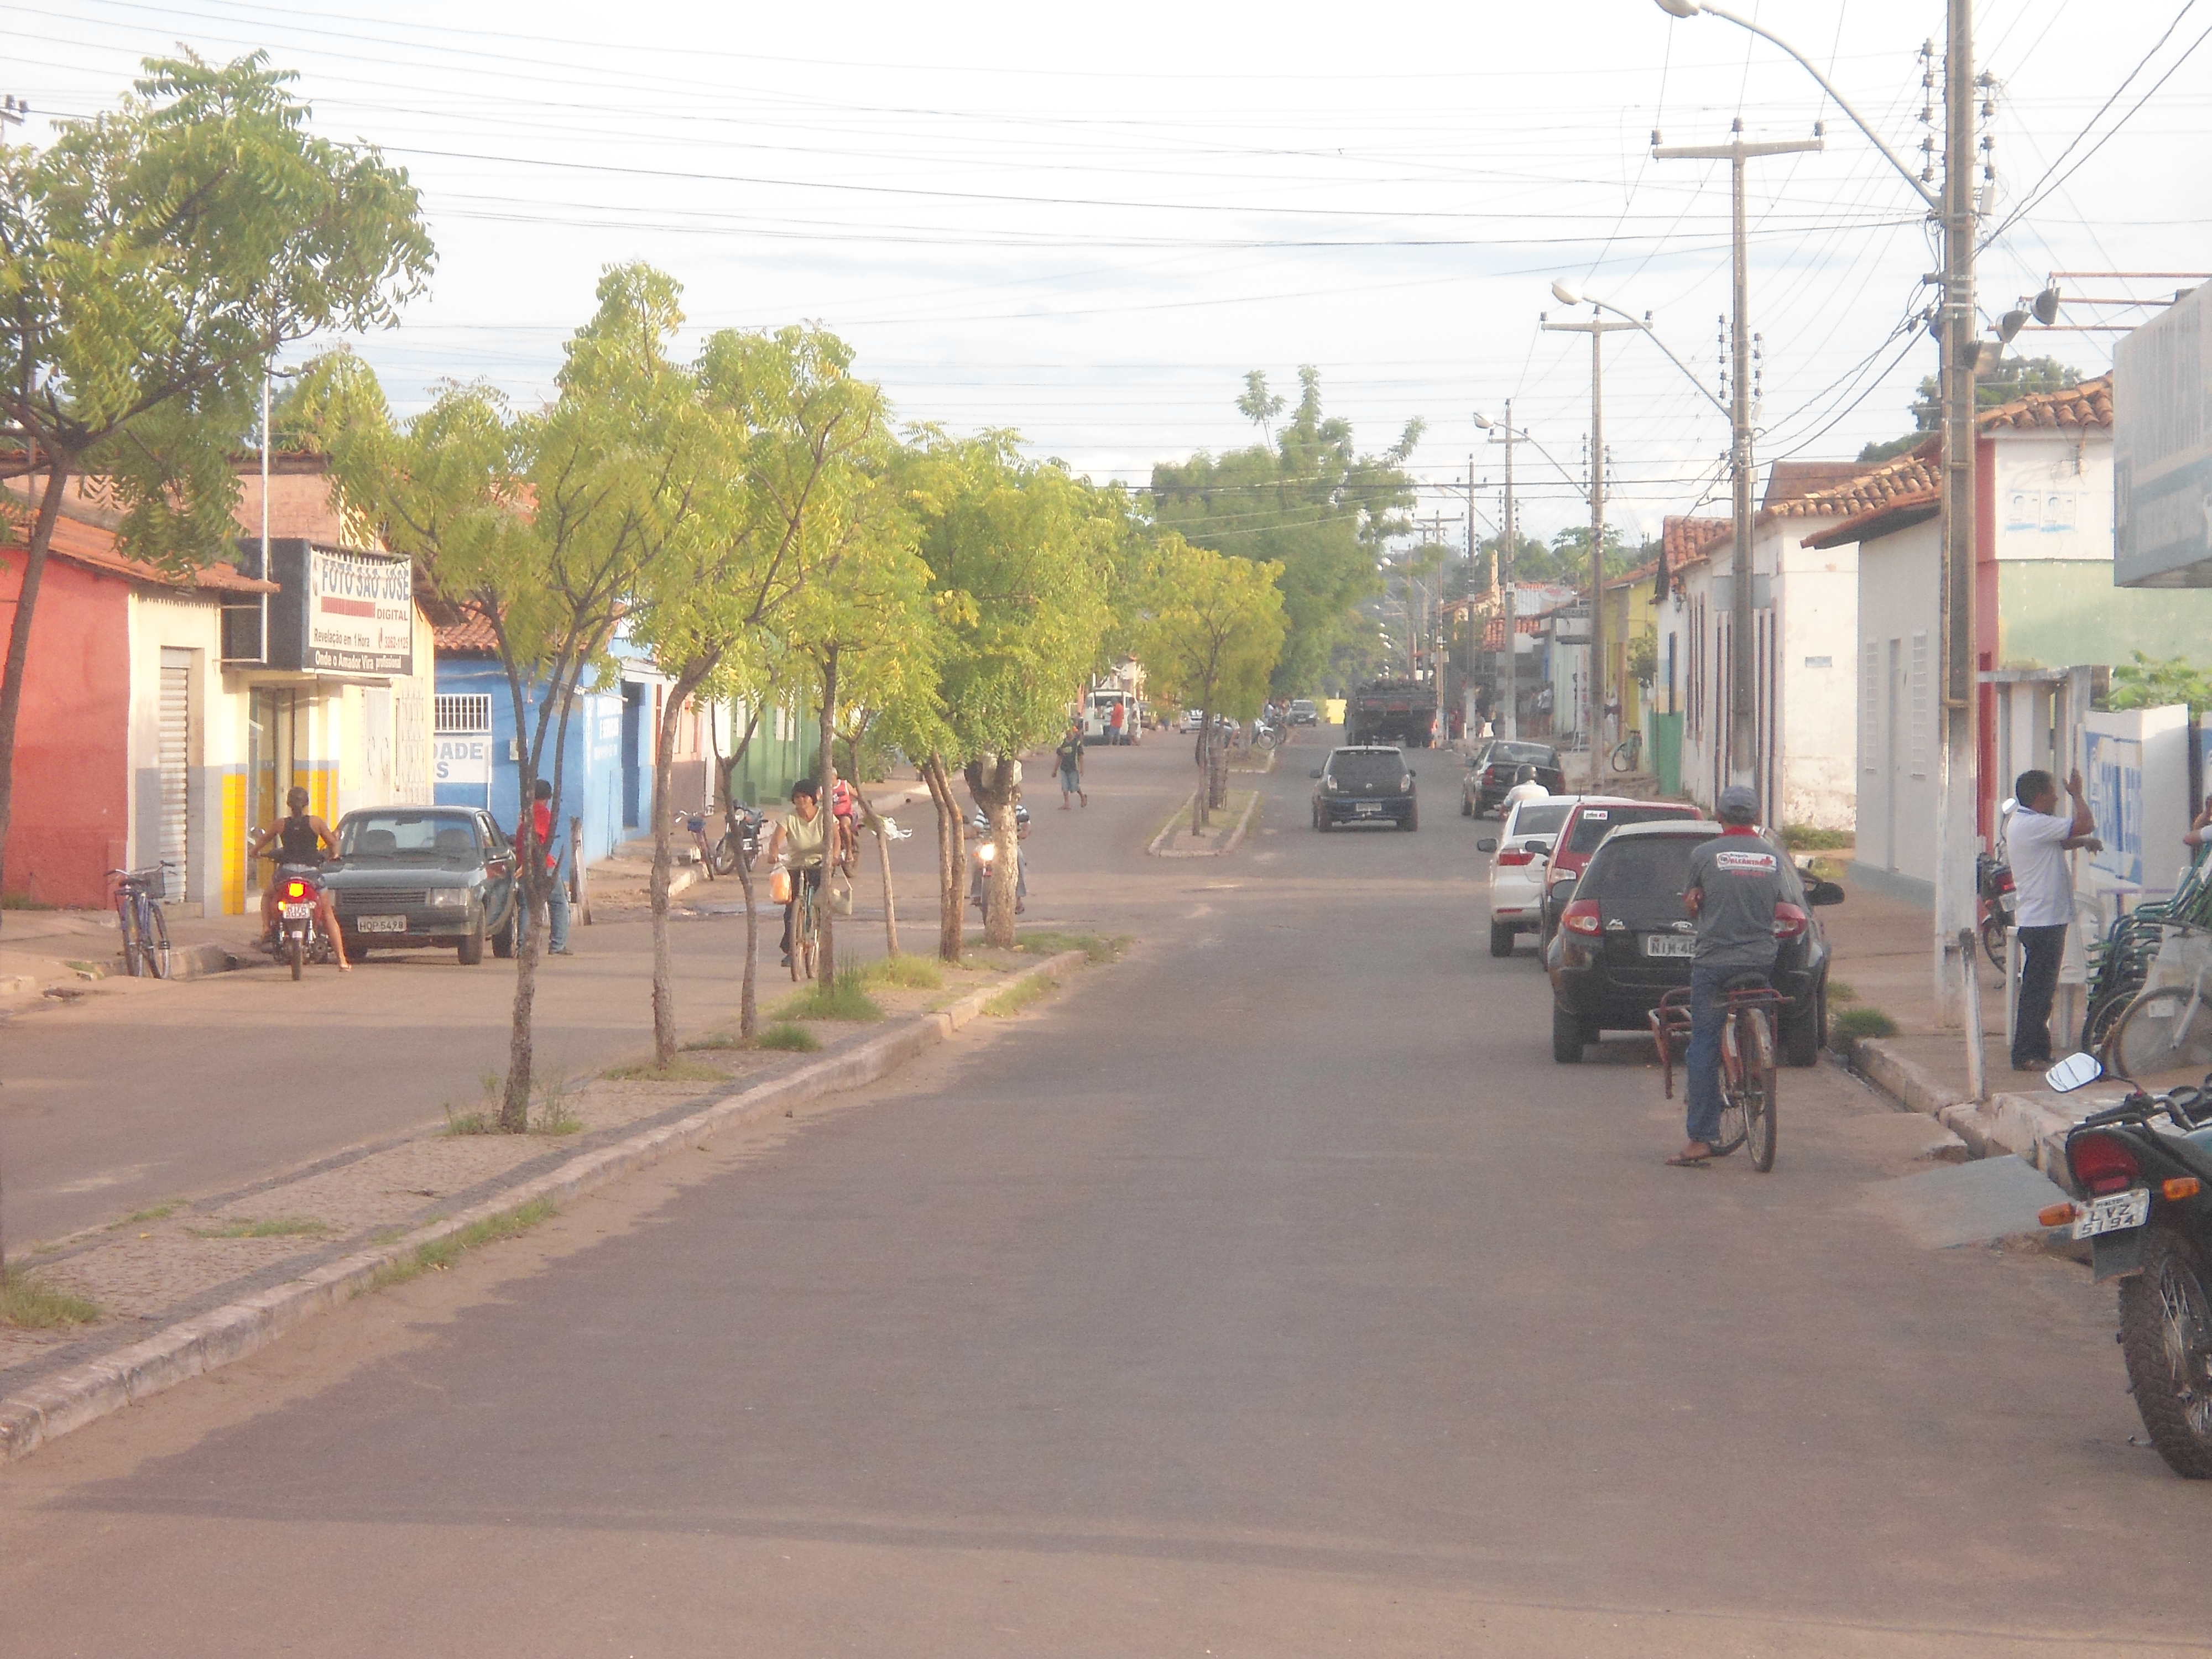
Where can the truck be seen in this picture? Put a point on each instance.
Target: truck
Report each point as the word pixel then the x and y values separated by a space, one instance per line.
pixel 1402 712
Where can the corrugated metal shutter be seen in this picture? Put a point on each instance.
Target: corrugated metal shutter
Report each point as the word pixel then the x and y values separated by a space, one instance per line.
pixel 175 762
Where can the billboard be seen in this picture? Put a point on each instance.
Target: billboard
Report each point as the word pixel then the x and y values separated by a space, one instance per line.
pixel 361 613
pixel 2161 458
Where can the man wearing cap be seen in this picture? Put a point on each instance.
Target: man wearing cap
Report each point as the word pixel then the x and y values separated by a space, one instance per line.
pixel 1735 881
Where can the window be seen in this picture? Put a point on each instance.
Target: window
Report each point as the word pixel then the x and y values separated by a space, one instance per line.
pixel 463 714
pixel 1922 715
pixel 418 835
pixel 1594 824
pixel 1353 768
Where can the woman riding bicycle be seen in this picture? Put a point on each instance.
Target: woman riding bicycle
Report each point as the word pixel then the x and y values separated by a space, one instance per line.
pixel 1735 881
pixel 799 843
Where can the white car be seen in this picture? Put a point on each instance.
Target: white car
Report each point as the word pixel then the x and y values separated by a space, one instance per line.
pixel 1519 856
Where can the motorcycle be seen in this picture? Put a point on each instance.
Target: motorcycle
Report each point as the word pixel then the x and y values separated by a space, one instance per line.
pixel 741 839
pixel 1993 881
pixel 2144 1170
pixel 986 854
pixel 299 938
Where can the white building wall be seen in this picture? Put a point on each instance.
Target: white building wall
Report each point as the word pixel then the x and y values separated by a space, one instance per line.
pixel 190 622
pixel 1817 604
pixel 1897 706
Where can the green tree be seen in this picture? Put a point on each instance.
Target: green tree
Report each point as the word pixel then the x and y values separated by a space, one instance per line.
pixel 2149 683
pixel 2012 379
pixel 1309 503
pixel 1214 630
pixel 152 260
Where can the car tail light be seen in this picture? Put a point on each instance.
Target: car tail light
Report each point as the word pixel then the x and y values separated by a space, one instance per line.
pixel 295 890
pixel 1789 921
pixel 1581 917
pixel 2102 1163
pixel 1517 858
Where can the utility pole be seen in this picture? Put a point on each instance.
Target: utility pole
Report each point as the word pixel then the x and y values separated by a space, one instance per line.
pixel 1505 581
pixel 1597 328
pixel 1744 760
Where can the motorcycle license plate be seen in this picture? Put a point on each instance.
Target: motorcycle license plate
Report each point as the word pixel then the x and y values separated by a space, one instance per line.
pixel 1670 944
pixel 381 924
pixel 298 912
pixel 2115 1212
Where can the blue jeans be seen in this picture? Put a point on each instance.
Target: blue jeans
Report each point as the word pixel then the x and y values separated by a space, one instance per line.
pixel 556 914
pixel 1708 1013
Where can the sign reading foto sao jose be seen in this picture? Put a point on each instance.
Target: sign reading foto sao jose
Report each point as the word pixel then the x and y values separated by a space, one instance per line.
pixel 361 613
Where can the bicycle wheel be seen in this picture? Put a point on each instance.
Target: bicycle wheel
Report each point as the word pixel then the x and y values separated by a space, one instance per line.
pixel 126 924
pixel 2163 1030
pixel 154 944
pixel 1994 933
pixel 1759 1095
pixel 809 938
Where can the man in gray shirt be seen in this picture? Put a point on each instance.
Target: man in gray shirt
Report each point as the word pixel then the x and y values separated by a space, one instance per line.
pixel 1735 881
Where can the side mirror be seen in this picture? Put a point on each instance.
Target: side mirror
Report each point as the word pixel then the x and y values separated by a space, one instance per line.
pixel 1317 772
pixel 1824 893
pixel 2075 1071
pixel 1487 844
pixel 1411 773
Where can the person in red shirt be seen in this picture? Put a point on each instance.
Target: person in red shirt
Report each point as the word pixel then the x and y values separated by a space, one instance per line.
pixel 540 834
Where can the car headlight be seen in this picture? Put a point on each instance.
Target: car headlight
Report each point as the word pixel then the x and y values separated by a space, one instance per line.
pixel 448 898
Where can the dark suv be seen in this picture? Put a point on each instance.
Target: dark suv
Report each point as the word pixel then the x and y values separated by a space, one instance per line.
pixel 1626 938
pixel 1594 817
pixel 1370 784
pixel 1492 769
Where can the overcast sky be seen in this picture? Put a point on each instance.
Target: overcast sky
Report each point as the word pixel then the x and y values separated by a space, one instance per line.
pixel 1087 223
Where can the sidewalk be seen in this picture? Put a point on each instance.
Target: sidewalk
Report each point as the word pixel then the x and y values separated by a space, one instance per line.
pixel 49 953
pixel 1884 954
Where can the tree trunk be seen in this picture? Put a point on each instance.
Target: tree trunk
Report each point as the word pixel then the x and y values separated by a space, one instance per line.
pixel 664 860
pixel 748 1004
pixel 873 821
pixel 997 790
pixel 515 1100
pixel 951 859
pixel 825 969
pixel 19 634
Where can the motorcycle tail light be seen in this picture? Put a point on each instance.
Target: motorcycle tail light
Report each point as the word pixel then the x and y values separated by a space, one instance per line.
pixel 295 890
pixel 1517 858
pixel 1790 922
pixel 1581 917
pixel 2102 1163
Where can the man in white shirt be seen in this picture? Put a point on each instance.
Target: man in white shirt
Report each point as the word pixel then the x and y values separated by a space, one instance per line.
pixel 1525 788
pixel 2038 841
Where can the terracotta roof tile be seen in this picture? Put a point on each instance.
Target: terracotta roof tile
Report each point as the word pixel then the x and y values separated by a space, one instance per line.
pixel 95 549
pixel 2089 404
pixel 459 631
pixel 1904 474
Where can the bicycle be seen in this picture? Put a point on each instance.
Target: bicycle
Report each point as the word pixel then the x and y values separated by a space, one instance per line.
pixel 805 926
pixel 138 914
pixel 2166 1029
pixel 1750 1096
pixel 1632 747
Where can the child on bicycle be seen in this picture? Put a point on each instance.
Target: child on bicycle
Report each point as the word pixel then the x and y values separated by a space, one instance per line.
pixel 1735 881
pixel 800 842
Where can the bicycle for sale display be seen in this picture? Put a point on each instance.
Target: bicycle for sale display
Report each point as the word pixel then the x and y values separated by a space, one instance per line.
pixel 138 895
pixel 1750 1096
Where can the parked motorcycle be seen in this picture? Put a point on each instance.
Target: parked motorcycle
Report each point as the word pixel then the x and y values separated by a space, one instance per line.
pixel 740 839
pixel 299 938
pixel 2144 1170
pixel 1993 881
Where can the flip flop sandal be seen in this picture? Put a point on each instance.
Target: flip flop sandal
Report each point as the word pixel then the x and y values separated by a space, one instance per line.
pixel 1683 1161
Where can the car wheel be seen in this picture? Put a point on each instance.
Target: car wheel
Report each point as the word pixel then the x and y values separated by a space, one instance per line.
pixel 1501 938
pixel 1567 1036
pixel 472 948
pixel 1801 1037
pixel 1412 820
pixel 1465 807
pixel 504 942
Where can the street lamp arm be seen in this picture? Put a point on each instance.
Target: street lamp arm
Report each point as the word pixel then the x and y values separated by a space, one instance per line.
pixel 1580 488
pixel 1606 305
pixel 1934 201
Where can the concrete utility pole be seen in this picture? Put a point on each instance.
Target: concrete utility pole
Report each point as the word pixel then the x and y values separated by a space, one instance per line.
pixel 1745 762
pixel 1597 328
pixel 1510 693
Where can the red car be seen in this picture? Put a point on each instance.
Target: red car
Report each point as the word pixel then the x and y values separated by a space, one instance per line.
pixel 1594 818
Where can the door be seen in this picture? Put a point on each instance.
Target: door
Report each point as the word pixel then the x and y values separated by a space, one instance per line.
pixel 633 743
pixel 174 761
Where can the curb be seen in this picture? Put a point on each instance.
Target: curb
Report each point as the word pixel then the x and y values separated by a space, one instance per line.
pixel 1159 849
pixel 183 1351
pixel 2021 1126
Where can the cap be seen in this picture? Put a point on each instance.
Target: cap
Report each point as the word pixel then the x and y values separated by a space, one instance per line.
pixel 1738 804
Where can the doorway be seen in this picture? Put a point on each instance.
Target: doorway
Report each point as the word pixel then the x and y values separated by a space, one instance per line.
pixel 632 746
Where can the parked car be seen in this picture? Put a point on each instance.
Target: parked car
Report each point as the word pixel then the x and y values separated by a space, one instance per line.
pixel 1626 939
pixel 1492 767
pixel 1370 784
pixel 1304 711
pixel 1592 818
pixel 409 877
pixel 1518 854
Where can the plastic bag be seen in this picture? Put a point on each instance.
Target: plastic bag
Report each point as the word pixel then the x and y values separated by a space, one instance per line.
pixel 779 886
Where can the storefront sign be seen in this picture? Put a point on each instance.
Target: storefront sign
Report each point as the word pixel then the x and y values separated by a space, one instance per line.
pixel 461 760
pixel 361 613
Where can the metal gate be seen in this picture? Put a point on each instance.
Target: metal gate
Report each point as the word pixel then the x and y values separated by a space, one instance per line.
pixel 175 763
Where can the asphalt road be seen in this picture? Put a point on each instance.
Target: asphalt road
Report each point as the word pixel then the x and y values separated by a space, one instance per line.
pixel 1270 1293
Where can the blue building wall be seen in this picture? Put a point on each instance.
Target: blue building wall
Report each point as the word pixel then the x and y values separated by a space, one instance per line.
pixel 605 729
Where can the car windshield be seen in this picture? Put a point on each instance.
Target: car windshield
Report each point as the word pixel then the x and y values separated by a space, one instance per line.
pixel 1355 768
pixel 1596 822
pixel 1640 880
pixel 1539 817
pixel 408 835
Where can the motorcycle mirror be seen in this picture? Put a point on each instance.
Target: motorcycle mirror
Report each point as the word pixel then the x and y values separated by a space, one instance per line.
pixel 1487 844
pixel 2011 804
pixel 2075 1071
pixel 1317 772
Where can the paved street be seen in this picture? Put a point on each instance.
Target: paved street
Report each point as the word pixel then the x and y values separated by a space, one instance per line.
pixel 1272 1292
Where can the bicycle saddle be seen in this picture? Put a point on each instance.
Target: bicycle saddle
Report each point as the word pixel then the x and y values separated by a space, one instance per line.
pixel 1750 980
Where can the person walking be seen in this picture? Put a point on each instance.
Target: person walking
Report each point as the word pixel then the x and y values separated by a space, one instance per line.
pixel 1070 765
pixel 1113 724
pixel 1736 880
pixel 2043 883
pixel 540 834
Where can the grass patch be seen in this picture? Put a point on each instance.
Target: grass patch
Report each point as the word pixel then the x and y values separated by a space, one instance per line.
pixel 795 1038
pixel 29 1305
pixel 25 901
pixel 847 999
pixel 159 1213
pixel 1018 996
pixel 677 1071
pixel 1096 948
pixel 1804 838
pixel 1854 1023
pixel 442 1254
pixel 275 1227
pixel 903 973
pixel 471 1123
pixel 1842 991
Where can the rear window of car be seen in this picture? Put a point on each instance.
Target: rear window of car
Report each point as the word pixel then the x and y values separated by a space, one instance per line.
pixel 409 835
pixel 1353 769
pixel 1640 881
pixel 1521 754
pixel 1596 822
pixel 1539 817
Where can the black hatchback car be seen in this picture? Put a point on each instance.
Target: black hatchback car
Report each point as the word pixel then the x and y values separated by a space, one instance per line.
pixel 1492 767
pixel 1625 940
pixel 410 877
pixel 1368 784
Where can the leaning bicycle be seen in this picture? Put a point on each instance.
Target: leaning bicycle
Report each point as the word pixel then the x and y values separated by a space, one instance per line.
pixel 138 895
pixel 1627 754
pixel 1750 1093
